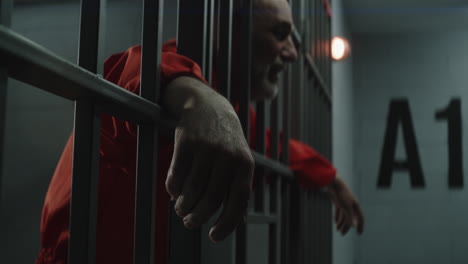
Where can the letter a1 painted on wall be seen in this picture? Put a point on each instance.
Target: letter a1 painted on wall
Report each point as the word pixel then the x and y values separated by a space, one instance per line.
pixel 455 155
pixel 399 114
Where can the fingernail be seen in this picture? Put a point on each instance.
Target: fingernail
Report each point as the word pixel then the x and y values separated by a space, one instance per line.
pixel 213 237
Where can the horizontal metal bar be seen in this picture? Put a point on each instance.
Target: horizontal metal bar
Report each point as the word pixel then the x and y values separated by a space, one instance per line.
pixel 31 63
pixel 323 86
pixel 311 64
pixel 272 166
pixel 261 219
pixel 51 73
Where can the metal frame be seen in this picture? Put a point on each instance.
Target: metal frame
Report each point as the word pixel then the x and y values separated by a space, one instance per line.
pixel 6 7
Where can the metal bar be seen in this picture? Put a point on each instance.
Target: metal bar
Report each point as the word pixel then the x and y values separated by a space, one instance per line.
pixel 286 116
pixel 224 52
pixel 321 38
pixel 83 204
pixel 259 192
pixel 241 244
pixel 102 55
pixel 146 178
pixel 192 37
pixel 192 32
pixel 3 100
pixel 261 218
pixel 327 52
pixel 285 222
pixel 316 245
pixel 6 7
pixel 244 68
pixel 245 64
pixel 274 241
pixel 313 29
pixel 312 66
pixel 85 176
pixel 209 40
pixel 286 240
pixel 322 226
pixel 33 64
pixel 272 166
pixel 321 81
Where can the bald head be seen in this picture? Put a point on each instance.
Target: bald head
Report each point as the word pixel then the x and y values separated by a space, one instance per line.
pixel 273 47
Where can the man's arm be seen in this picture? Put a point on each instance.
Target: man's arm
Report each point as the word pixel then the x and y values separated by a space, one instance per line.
pixel 312 170
pixel 348 212
pixel 212 164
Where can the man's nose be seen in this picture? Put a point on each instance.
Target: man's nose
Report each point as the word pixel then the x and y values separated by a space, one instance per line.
pixel 289 52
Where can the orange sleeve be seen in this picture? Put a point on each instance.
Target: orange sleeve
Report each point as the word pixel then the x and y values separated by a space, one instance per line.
pixel 311 169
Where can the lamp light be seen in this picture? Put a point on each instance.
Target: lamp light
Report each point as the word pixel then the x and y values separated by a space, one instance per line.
pixel 340 48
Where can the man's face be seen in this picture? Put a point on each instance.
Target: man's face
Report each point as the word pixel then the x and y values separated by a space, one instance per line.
pixel 273 46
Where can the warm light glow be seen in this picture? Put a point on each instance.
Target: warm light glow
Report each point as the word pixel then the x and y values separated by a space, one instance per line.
pixel 339 48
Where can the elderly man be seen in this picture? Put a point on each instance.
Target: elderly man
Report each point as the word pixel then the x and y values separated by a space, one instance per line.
pixel 208 164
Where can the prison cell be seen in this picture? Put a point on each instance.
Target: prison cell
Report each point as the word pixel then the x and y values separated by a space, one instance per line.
pixel 299 221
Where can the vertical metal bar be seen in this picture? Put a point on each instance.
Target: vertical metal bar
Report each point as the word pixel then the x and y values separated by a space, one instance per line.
pixel 192 32
pixel 327 52
pixel 245 63
pixel 323 18
pixel 225 47
pixel 316 43
pixel 210 4
pixel 312 29
pixel 285 214
pixel 3 95
pixel 146 178
pixel 192 37
pixel 102 37
pixel 274 256
pixel 286 185
pixel 83 211
pixel 245 14
pixel 260 147
pixel 6 7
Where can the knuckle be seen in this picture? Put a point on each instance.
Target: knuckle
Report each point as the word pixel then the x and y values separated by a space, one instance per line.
pixel 171 186
pixel 245 160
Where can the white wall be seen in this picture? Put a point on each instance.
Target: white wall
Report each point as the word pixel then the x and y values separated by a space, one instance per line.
pixel 405 225
pixel 343 128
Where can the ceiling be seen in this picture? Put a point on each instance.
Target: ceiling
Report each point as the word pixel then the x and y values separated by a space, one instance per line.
pixel 384 16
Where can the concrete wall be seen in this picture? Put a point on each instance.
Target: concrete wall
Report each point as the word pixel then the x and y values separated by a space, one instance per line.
pixel 343 129
pixel 405 225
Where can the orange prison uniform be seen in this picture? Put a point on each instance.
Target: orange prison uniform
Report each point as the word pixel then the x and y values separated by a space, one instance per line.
pixel 117 171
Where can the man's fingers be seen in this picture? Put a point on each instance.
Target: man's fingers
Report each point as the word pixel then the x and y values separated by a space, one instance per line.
pixel 236 205
pixel 337 215
pixel 341 219
pixel 359 218
pixel 194 185
pixel 213 197
pixel 342 224
pixel 180 166
pixel 346 226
